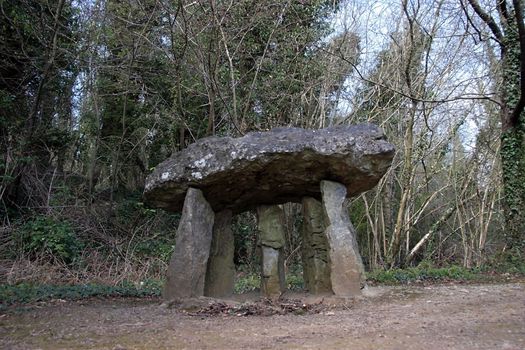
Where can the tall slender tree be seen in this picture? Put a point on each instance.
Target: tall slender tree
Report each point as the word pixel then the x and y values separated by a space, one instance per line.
pixel 37 74
pixel 507 29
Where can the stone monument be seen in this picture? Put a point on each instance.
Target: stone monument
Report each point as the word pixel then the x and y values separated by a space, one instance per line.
pixel 217 177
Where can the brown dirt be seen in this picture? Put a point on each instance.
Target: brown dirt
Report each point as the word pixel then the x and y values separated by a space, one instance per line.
pixel 453 316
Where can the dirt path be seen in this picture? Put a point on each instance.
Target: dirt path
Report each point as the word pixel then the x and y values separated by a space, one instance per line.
pixel 434 317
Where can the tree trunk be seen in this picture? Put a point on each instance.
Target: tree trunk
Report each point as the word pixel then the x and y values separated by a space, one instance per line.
pixel 513 135
pixel 513 167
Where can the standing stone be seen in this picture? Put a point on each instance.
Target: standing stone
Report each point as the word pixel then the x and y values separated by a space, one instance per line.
pixel 271 236
pixel 347 271
pixel 272 279
pixel 187 269
pixel 221 269
pixel 271 226
pixel 316 266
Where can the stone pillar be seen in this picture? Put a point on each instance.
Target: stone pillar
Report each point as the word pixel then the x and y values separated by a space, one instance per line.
pixel 271 236
pixel 347 272
pixel 316 266
pixel 221 269
pixel 187 269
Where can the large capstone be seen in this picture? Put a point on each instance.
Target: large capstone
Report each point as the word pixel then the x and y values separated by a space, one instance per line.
pixel 274 167
pixel 187 269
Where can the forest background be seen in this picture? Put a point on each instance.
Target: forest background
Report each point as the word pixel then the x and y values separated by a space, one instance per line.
pixel 94 94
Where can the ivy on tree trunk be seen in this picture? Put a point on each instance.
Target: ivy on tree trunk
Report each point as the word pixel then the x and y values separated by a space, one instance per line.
pixel 513 139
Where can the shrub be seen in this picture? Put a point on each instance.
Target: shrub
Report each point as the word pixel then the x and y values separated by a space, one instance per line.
pixel 27 293
pixel 510 261
pixel 294 282
pixel 252 281
pixel 45 235
pixel 247 283
pixel 422 274
pixel 160 247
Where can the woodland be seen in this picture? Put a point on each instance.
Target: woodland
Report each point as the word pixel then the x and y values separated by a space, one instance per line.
pixel 95 93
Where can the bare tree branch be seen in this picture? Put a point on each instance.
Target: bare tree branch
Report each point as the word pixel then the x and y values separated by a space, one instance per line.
pixel 468 97
pixel 488 19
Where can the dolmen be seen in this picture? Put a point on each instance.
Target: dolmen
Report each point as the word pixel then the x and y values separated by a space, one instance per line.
pixel 217 177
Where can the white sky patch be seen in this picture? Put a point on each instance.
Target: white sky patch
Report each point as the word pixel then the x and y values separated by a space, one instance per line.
pixel 372 22
pixel 456 65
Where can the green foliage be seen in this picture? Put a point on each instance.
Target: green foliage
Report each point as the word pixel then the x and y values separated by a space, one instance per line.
pixel 247 283
pixel 28 293
pixel 508 262
pixel 424 273
pixel 244 229
pixel 45 235
pixel 252 281
pixel 131 212
pixel 160 247
pixel 35 95
pixel 107 116
pixel 63 194
pixel 294 281
pixel 513 166
pixel 130 208
pixel 513 140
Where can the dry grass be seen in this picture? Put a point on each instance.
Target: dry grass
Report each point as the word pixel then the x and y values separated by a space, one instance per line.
pixel 111 242
pixel 94 268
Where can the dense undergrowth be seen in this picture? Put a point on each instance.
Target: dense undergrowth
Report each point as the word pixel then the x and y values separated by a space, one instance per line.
pixel 122 250
pixel 22 293
pixel 418 274
pixel 28 293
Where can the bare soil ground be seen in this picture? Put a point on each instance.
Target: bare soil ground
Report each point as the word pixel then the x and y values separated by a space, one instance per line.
pixel 451 316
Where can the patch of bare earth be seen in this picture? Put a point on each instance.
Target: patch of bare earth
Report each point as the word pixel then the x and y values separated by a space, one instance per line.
pixel 432 317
